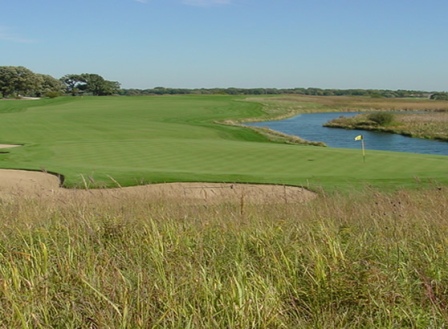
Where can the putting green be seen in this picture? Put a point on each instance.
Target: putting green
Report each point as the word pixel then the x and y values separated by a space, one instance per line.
pixel 138 140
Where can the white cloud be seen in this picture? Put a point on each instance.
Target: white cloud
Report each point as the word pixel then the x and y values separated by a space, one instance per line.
pixel 206 3
pixel 7 35
pixel 142 1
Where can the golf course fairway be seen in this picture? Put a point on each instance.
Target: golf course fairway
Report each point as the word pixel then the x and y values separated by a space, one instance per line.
pixel 105 141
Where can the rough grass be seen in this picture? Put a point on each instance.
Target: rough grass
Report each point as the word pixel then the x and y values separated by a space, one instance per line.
pixel 364 260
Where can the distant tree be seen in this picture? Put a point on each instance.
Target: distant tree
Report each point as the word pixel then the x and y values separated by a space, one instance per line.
pixel 73 83
pixel 7 75
pixel 357 92
pixel 89 83
pixel 95 84
pixel 50 86
pixel 18 80
pixel 440 96
pixel 112 87
pixel 314 91
pixel 275 91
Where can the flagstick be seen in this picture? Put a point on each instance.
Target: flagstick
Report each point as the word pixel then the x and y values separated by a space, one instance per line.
pixel 363 151
pixel 361 138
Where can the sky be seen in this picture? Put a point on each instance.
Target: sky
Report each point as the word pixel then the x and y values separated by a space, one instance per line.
pixel 340 44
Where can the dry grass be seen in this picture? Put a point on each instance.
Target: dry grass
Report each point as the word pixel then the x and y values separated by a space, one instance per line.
pixel 370 260
pixel 366 103
pixel 425 125
pixel 429 124
pixel 283 106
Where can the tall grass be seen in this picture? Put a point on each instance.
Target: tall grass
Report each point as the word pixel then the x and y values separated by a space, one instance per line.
pixel 278 106
pixel 370 260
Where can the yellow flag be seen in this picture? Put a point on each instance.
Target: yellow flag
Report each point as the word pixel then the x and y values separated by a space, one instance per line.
pixel 358 138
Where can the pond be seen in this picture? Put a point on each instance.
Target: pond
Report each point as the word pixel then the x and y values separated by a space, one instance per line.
pixel 309 127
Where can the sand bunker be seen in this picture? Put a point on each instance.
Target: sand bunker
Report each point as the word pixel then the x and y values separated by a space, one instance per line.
pixel 31 184
pixel 27 184
pixel 7 146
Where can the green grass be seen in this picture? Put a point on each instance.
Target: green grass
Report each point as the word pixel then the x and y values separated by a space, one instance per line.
pixel 138 140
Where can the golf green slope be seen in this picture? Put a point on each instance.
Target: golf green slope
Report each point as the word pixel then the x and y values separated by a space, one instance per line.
pixel 139 140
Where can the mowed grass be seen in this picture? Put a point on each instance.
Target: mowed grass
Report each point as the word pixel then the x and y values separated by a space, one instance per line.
pixel 139 140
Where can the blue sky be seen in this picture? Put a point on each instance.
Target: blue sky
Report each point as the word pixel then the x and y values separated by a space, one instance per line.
pixel 378 44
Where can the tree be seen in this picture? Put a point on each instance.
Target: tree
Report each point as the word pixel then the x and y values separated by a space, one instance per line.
pixel 440 96
pixel 50 86
pixel 74 83
pixel 112 87
pixel 90 83
pixel 94 83
pixel 98 86
pixel 18 80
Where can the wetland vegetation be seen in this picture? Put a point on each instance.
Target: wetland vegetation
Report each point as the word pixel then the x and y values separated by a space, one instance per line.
pixel 426 124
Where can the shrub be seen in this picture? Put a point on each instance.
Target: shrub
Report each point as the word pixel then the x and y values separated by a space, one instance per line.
pixel 440 96
pixel 381 118
pixel 52 94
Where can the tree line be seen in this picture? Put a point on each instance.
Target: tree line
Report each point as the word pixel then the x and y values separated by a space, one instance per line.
pixel 17 81
pixel 385 93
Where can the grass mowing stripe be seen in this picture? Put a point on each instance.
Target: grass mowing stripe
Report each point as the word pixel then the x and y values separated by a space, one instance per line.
pixel 156 139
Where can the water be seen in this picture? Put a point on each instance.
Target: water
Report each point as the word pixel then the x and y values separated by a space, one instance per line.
pixel 309 127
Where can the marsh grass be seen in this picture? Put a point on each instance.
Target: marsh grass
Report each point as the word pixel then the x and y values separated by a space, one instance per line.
pixel 370 260
pixel 430 125
pixel 287 105
pixel 425 125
